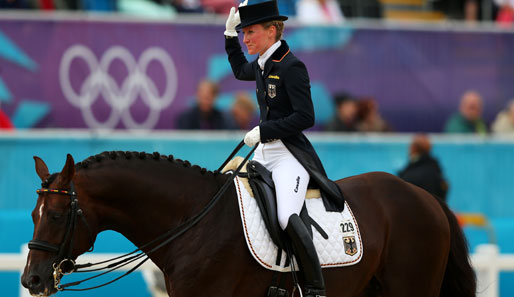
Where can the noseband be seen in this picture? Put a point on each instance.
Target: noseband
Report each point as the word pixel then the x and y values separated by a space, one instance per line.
pixel 64 263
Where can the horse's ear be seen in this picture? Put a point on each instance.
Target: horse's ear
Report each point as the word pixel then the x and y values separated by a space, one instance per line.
pixel 67 172
pixel 41 168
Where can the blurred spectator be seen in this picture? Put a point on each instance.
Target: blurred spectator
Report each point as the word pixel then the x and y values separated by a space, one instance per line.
pixel 505 14
pixel 361 8
pixel 345 115
pixel 469 118
pixel 15 4
pixel 5 122
pixel 423 169
pixel 58 4
pixel 472 10
pixel 319 12
pixel 504 122
pixel 187 6
pixel 243 112
pixel 70 4
pixel 469 10
pixel 203 115
pixel 369 118
pixel 46 4
pixel 219 6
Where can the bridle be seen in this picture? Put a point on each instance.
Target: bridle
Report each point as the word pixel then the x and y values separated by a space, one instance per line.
pixel 64 263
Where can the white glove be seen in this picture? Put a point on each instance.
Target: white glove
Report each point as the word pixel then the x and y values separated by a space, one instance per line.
pixel 252 137
pixel 233 20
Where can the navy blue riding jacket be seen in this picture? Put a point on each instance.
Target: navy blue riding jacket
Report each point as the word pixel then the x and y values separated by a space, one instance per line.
pixel 286 109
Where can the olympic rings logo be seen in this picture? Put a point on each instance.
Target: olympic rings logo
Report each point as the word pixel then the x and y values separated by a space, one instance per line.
pixel 120 97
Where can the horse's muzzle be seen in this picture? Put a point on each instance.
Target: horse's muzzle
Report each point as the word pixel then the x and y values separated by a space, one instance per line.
pixel 37 285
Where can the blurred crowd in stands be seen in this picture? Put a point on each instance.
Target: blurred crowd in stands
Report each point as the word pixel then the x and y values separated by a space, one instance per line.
pixel 362 115
pixel 305 11
pixel 351 114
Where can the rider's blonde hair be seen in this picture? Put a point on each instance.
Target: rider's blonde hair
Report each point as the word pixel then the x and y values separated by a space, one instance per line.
pixel 279 25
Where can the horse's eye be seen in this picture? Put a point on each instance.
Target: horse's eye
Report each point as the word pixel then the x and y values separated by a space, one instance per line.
pixel 55 216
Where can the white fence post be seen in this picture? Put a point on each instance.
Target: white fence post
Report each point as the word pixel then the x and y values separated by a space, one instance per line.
pixel 485 261
pixel 24 253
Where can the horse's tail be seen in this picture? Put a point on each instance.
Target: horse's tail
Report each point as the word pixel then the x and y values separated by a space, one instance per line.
pixel 459 278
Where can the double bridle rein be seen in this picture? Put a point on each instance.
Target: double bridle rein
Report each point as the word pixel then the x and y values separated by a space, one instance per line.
pixel 66 265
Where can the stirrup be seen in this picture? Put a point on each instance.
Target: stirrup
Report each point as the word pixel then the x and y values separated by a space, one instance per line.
pixel 314 293
pixel 276 292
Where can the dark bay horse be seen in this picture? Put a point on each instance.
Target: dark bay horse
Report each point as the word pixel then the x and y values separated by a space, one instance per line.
pixel 412 243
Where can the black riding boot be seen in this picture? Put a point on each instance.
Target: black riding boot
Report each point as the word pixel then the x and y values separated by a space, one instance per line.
pixel 305 252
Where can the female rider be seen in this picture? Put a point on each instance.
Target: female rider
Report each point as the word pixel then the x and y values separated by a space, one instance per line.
pixel 286 109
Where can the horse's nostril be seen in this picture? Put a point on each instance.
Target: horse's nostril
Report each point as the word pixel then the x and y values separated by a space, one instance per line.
pixel 34 281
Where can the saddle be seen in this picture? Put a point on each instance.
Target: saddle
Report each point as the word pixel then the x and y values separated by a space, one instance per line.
pixel 336 235
pixel 263 188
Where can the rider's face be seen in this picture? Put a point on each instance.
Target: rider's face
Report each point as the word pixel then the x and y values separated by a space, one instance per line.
pixel 258 39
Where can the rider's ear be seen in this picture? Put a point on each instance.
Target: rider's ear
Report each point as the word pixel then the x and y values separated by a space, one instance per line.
pixel 41 169
pixel 67 172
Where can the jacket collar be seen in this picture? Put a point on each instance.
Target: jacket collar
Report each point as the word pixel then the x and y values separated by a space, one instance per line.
pixel 276 57
pixel 265 57
pixel 280 53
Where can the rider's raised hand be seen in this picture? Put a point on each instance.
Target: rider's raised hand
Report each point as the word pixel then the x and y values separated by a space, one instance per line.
pixel 232 21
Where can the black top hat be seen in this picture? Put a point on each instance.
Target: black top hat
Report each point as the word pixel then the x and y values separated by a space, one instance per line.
pixel 259 13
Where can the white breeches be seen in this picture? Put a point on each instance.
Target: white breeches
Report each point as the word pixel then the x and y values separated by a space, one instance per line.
pixel 290 178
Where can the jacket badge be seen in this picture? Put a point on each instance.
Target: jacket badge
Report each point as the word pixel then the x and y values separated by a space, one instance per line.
pixel 272 91
pixel 274 76
pixel 350 246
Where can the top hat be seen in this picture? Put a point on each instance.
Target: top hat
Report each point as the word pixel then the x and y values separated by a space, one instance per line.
pixel 259 13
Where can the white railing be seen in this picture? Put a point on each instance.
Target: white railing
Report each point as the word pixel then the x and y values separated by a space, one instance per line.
pixel 487 261
pixel 16 263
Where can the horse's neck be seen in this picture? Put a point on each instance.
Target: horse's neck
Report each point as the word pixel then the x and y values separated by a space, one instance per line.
pixel 142 209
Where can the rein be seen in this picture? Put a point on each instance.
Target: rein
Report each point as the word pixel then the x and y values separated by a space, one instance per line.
pixel 123 260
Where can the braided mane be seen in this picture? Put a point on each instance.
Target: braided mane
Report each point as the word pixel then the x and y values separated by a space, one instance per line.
pixel 113 155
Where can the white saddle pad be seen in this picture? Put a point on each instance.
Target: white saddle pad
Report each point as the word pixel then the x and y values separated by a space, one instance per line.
pixel 342 248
